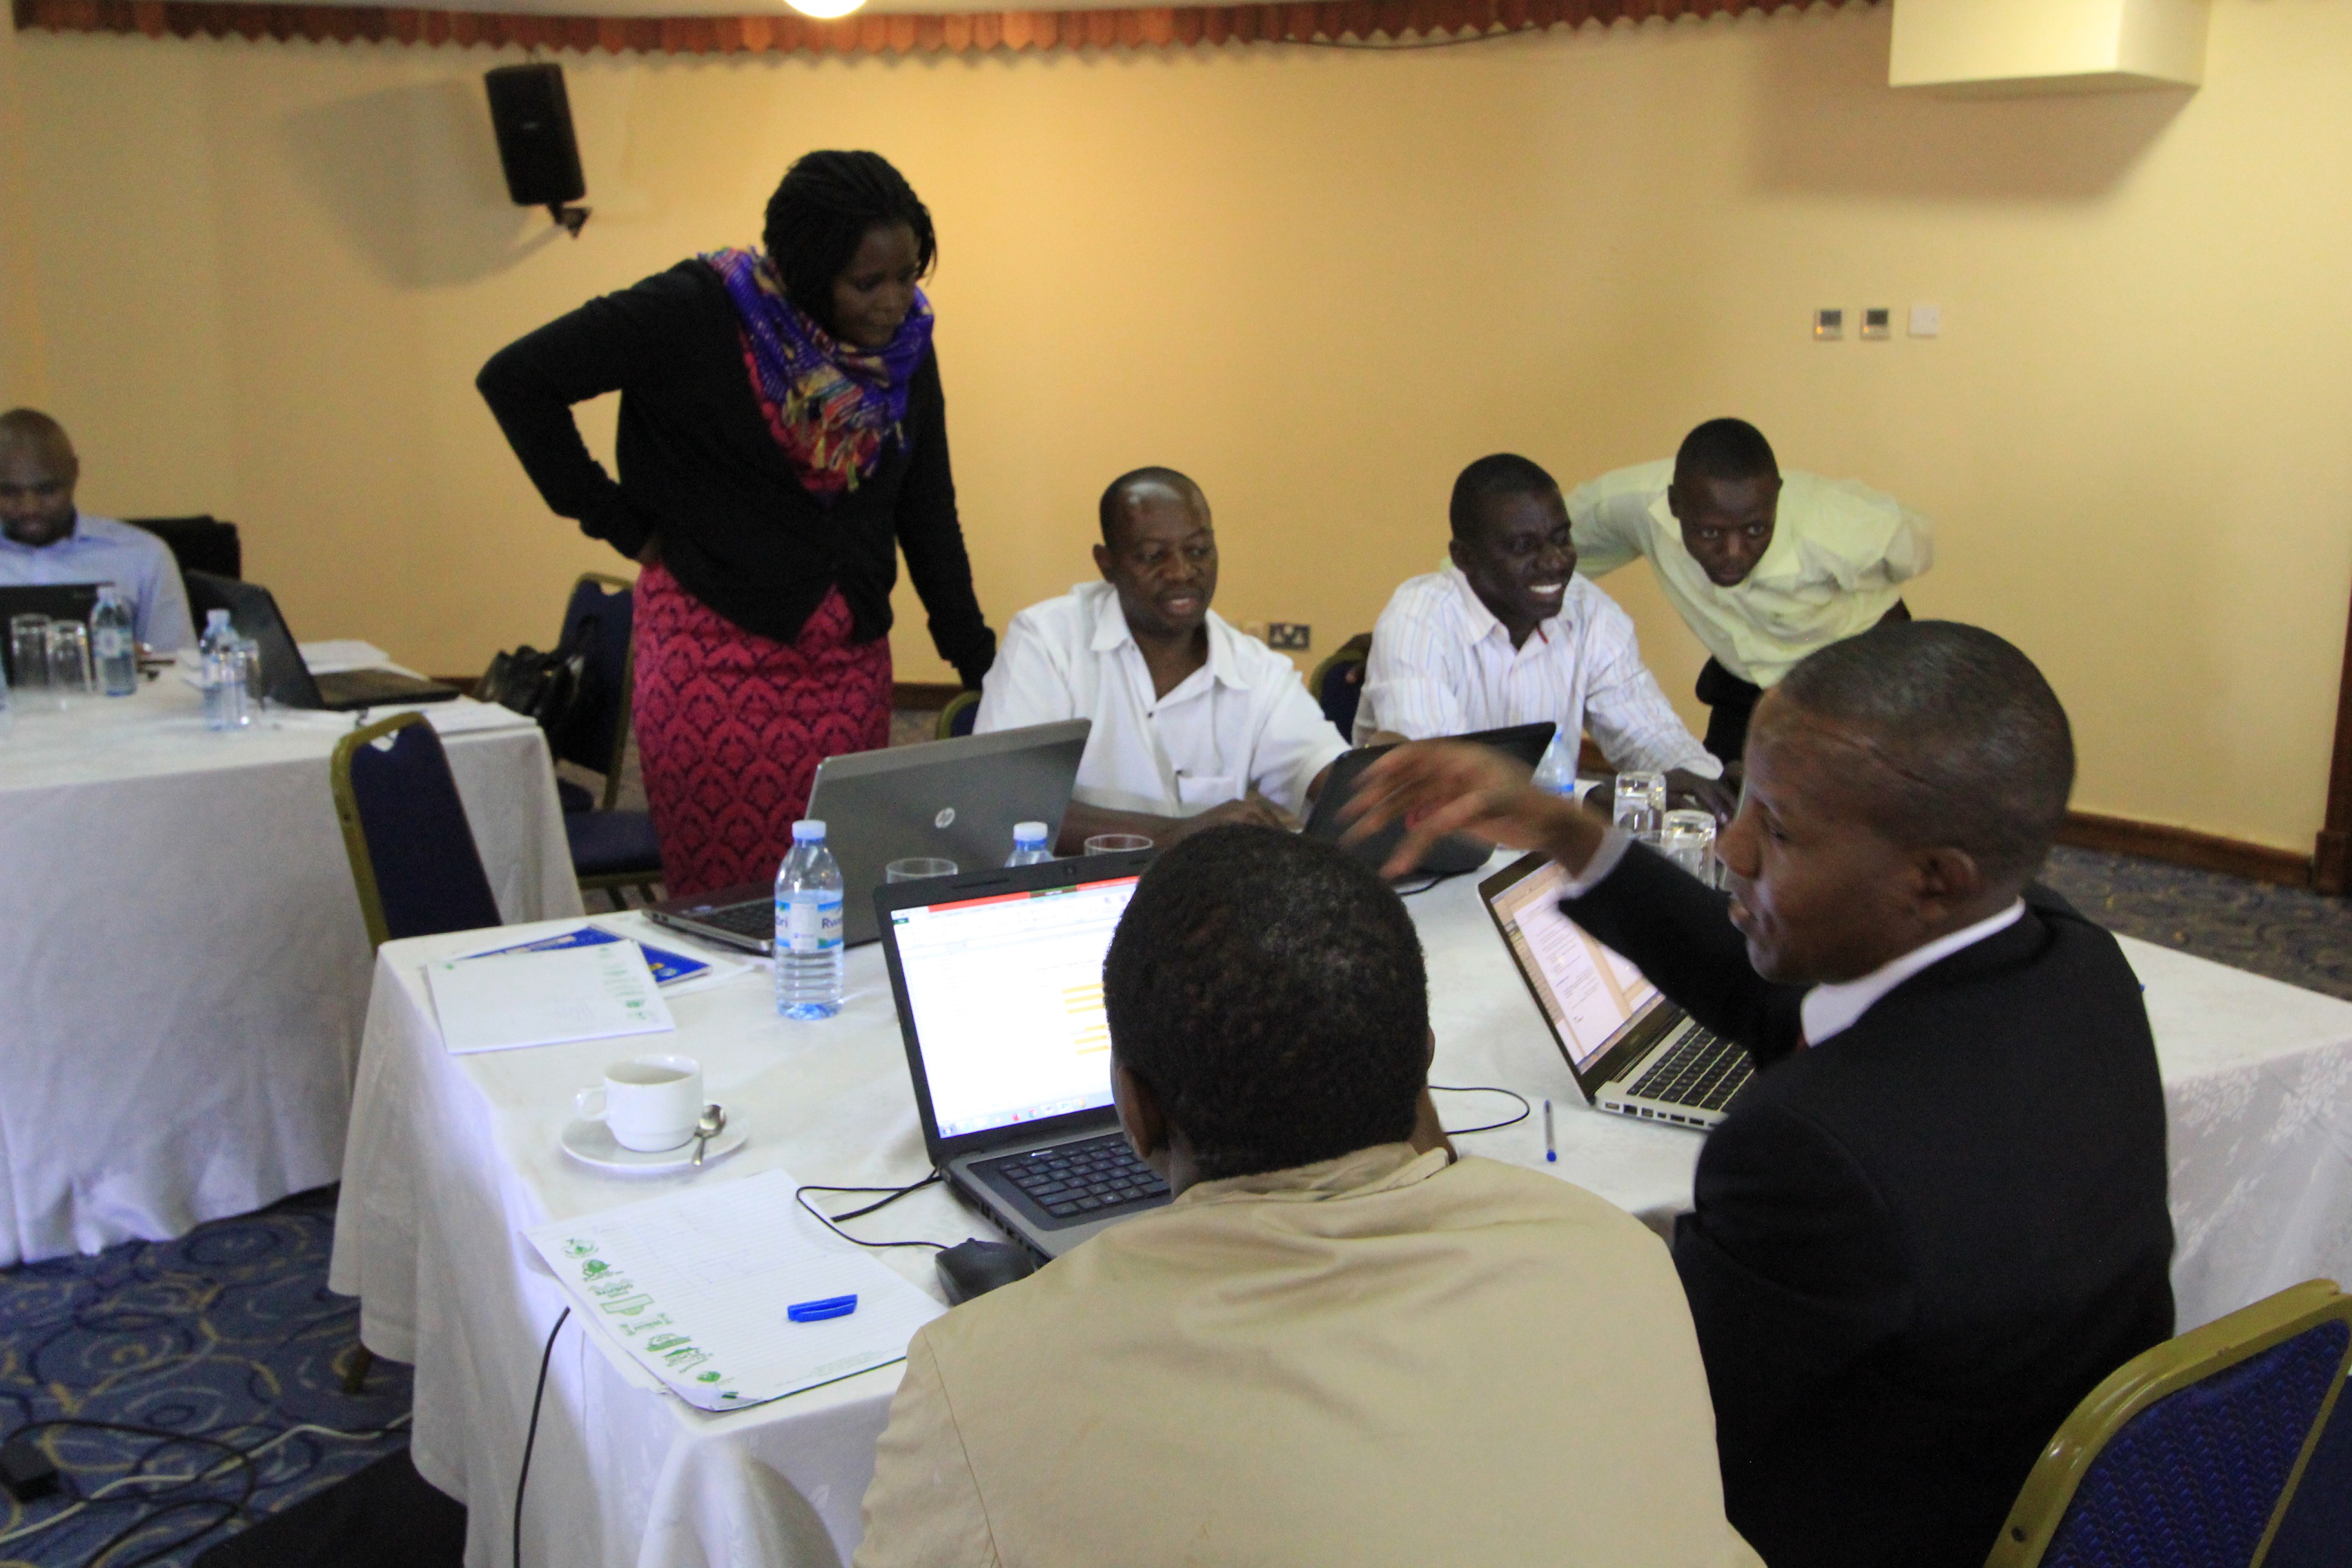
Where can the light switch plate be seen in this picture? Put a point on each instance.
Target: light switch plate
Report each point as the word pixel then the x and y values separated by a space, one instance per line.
pixel 1828 324
pixel 1926 321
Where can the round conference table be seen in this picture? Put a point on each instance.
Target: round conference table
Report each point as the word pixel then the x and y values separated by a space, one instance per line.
pixel 451 1158
pixel 181 955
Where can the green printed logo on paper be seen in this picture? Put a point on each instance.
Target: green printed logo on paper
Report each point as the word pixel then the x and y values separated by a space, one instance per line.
pixel 711 1377
pixel 575 1247
pixel 593 1267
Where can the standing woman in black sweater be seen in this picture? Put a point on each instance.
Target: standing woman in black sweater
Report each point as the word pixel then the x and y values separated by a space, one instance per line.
pixel 782 436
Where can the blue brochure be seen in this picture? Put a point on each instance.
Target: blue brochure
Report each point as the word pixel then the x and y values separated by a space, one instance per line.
pixel 666 965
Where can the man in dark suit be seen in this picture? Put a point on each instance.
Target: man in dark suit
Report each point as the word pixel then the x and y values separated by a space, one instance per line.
pixel 1937 1218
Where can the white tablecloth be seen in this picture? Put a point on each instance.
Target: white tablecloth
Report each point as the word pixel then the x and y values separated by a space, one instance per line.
pixel 450 1157
pixel 184 970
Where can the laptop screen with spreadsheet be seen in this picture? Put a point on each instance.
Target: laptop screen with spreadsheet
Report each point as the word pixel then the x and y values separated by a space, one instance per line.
pixel 1005 994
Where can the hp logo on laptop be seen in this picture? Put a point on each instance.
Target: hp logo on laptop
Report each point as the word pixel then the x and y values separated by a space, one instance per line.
pixel 945 819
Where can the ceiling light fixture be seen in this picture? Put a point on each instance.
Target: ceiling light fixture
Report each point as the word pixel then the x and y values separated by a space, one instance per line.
pixel 826 10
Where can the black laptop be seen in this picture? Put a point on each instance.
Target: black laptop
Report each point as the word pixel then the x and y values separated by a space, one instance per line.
pixel 998 980
pixel 285 678
pixel 1449 856
pixel 58 601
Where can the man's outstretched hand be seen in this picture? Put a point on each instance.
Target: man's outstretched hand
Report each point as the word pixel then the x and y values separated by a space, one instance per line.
pixel 1439 787
pixel 1716 797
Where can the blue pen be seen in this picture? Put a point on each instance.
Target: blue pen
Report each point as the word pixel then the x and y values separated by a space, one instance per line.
pixel 818 1311
pixel 1551 1150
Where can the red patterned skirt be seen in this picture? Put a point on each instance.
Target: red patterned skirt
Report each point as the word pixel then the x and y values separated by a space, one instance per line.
pixel 732 725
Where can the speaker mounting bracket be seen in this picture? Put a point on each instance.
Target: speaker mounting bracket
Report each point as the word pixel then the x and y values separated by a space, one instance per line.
pixel 568 217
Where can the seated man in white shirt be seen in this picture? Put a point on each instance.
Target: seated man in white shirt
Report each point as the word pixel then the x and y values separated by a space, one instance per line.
pixel 1194 723
pixel 1764 567
pixel 1509 633
pixel 1339 1345
pixel 45 538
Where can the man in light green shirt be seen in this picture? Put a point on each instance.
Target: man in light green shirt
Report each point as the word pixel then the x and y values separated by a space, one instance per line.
pixel 1764 567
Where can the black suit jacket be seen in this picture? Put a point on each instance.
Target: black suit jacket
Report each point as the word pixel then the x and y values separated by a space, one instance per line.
pixel 1916 1248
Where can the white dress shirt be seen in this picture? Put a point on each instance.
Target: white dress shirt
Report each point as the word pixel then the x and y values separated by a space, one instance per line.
pixel 1839 553
pixel 1443 665
pixel 1830 1010
pixel 1241 722
pixel 100 550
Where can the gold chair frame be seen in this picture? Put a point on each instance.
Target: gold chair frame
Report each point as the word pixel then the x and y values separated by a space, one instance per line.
pixel 2151 1375
pixel 347 816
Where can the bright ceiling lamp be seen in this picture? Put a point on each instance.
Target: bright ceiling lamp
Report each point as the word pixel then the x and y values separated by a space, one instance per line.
pixel 826 10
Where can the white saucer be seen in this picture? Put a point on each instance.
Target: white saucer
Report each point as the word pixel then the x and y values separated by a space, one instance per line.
pixel 591 1143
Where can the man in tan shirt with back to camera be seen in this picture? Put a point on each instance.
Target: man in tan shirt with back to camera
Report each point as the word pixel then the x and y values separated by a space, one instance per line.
pixel 1340 1344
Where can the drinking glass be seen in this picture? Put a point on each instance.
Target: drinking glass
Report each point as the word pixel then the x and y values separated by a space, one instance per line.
pixel 1117 844
pixel 918 868
pixel 1640 804
pixel 1687 839
pixel 28 651
pixel 256 698
pixel 70 676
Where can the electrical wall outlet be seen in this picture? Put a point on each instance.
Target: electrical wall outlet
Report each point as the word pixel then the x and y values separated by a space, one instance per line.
pixel 1292 637
pixel 1877 323
pixel 1829 323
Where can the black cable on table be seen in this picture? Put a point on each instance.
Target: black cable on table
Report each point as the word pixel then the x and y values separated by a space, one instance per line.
pixel 800 1196
pixel 531 1439
pixel 1525 1108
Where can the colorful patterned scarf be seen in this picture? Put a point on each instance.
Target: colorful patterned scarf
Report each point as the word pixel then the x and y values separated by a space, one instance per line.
pixel 831 405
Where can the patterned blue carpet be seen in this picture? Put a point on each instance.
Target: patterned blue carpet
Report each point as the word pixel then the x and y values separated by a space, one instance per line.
pixel 228 1334
pixel 2288 933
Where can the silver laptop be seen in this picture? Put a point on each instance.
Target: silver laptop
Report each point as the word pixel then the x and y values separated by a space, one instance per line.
pixel 998 980
pixel 950 800
pixel 1632 1051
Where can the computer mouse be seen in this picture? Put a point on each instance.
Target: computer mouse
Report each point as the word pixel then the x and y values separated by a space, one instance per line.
pixel 971 1268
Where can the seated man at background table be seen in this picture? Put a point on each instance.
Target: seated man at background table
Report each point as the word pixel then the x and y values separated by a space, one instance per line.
pixel 1339 1344
pixel 1937 1218
pixel 45 538
pixel 1509 633
pixel 1194 723
pixel 1764 567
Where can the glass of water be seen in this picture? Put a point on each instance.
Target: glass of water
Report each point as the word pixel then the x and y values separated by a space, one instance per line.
pixel 257 695
pixel 1118 844
pixel 1687 839
pixel 1640 804
pixel 917 867
pixel 70 676
pixel 28 651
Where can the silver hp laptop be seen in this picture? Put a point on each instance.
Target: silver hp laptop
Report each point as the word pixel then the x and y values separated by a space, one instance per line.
pixel 998 980
pixel 950 800
pixel 1632 1051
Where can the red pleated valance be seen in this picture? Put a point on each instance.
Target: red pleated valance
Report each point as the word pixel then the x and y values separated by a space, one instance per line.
pixel 1371 22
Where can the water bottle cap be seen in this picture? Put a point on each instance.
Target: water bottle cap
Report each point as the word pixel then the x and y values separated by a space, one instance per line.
pixel 1028 832
pixel 215 618
pixel 808 831
pixel 108 592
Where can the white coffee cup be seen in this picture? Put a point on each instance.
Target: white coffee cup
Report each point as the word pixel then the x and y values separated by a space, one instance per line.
pixel 648 1103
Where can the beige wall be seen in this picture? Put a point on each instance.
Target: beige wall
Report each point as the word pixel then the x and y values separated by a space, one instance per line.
pixel 258 279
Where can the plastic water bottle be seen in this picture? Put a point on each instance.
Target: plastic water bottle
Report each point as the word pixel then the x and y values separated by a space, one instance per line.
pixel 1029 844
pixel 224 673
pixel 113 644
pixel 1557 772
pixel 7 711
pixel 808 927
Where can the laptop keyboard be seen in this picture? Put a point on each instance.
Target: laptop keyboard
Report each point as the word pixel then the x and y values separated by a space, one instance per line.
pixel 755 918
pixel 1703 1072
pixel 1071 1179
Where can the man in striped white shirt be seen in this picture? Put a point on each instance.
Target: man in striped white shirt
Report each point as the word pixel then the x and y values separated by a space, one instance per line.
pixel 1509 633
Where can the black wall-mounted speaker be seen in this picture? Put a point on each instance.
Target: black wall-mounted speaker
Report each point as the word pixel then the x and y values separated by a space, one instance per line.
pixel 533 120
